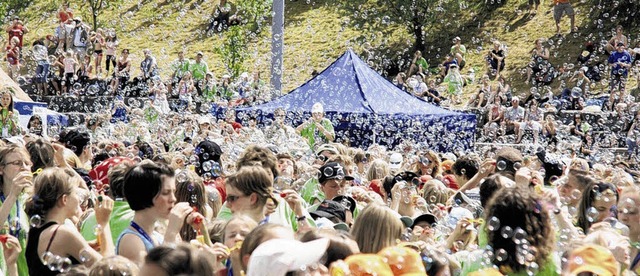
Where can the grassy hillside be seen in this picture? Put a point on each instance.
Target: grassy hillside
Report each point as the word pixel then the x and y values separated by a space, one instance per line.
pixel 317 32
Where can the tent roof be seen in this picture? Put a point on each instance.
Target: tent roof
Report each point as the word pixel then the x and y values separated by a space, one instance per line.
pixel 349 85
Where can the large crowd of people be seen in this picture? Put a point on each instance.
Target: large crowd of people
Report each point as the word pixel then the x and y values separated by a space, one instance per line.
pixel 154 190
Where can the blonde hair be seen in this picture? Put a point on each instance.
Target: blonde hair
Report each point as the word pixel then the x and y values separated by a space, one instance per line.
pixel 377 170
pixel 373 239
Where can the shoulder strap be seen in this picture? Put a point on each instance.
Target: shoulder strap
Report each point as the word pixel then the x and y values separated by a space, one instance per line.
pixel 52 236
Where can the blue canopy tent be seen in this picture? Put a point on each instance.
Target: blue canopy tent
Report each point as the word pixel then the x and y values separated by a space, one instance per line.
pixel 364 107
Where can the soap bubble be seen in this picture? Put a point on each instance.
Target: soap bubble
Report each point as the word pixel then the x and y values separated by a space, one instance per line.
pixel 35 221
pixel 501 165
pixel 85 256
pixel 592 214
pixel 493 224
pixel 506 232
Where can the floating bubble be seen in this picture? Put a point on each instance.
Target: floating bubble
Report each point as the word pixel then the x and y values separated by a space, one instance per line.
pixel 35 221
pixel 501 255
pixel 501 165
pixel 85 256
pixel 592 214
pixel 506 232
pixel 493 224
pixel 328 171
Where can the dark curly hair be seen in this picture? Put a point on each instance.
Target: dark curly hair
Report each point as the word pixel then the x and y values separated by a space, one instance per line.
pixel 519 208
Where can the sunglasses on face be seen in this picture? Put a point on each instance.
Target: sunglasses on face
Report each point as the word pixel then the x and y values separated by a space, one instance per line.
pixel 322 158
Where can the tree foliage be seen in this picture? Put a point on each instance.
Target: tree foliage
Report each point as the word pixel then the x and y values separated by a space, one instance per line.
pixel 419 17
pixel 255 13
pixel 234 50
pixel 12 7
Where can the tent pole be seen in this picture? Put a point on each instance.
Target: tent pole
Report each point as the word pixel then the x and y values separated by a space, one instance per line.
pixel 277 42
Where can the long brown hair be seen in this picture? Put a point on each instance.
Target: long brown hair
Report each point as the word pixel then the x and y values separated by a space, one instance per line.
pixel 191 189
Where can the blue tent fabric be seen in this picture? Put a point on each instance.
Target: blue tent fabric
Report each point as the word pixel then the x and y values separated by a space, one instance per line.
pixel 364 105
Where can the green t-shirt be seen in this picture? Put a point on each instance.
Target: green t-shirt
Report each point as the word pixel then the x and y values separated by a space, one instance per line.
pixel 198 70
pixel 314 136
pixel 462 51
pixel 180 67
pixel 23 269
pixel 422 62
pixel 310 191
pixel 119 220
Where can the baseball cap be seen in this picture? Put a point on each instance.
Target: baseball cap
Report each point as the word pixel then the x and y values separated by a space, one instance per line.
pixel 428 218
pixel 395 161
pixel 592 258
pixel 326 147
pixel 329 209
pixel 348 202
pixel 317 108
pixel 281 256
pixel 199 53
pixel 457 38
pixel 332 170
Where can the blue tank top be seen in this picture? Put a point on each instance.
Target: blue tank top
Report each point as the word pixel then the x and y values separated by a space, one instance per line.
pixel 147 244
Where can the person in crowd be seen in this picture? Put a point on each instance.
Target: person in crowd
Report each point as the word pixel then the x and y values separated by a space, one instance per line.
pixel 458 51
pixel 149 66
pixel 110 173
pixel 57 197
pixel 9 118
pixel 532 121
pixel 495 115
pixel 481 98
pixel 198 69
pixel 618 37
pixel 17 29
pixel 455 82
pixel 121 72
pixel 620 62
pixel 186 90
pixel 370 239
pixel 318 129
pixel 80 38
pixel 42 69
pixel 177 260
pixel 86 70
pixel 495 58
pixel 533 6
pixel 34 126
pixel 513 116
pixel 99 43
pixel 149 188
pixel 539 62
pixel 597 204
pixel 110 46
pixel 158 92
pixel 419 65
pixel 70 66
pixel 13 57
pixel 560 8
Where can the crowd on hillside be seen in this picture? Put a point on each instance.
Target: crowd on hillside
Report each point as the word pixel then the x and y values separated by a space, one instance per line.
pixel 151 191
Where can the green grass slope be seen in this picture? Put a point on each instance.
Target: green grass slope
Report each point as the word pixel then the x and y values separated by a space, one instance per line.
pixel 316 32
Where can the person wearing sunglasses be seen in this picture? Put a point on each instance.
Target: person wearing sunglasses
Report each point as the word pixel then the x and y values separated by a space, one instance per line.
pixel 248 191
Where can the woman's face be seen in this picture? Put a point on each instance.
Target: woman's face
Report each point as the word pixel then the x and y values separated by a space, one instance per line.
pixel 14 163
pixel 166 198
pixel 74 201
pixel 603 205
pixel 235 232
pixel 237 201
pixel 628 212
pixel 5 100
